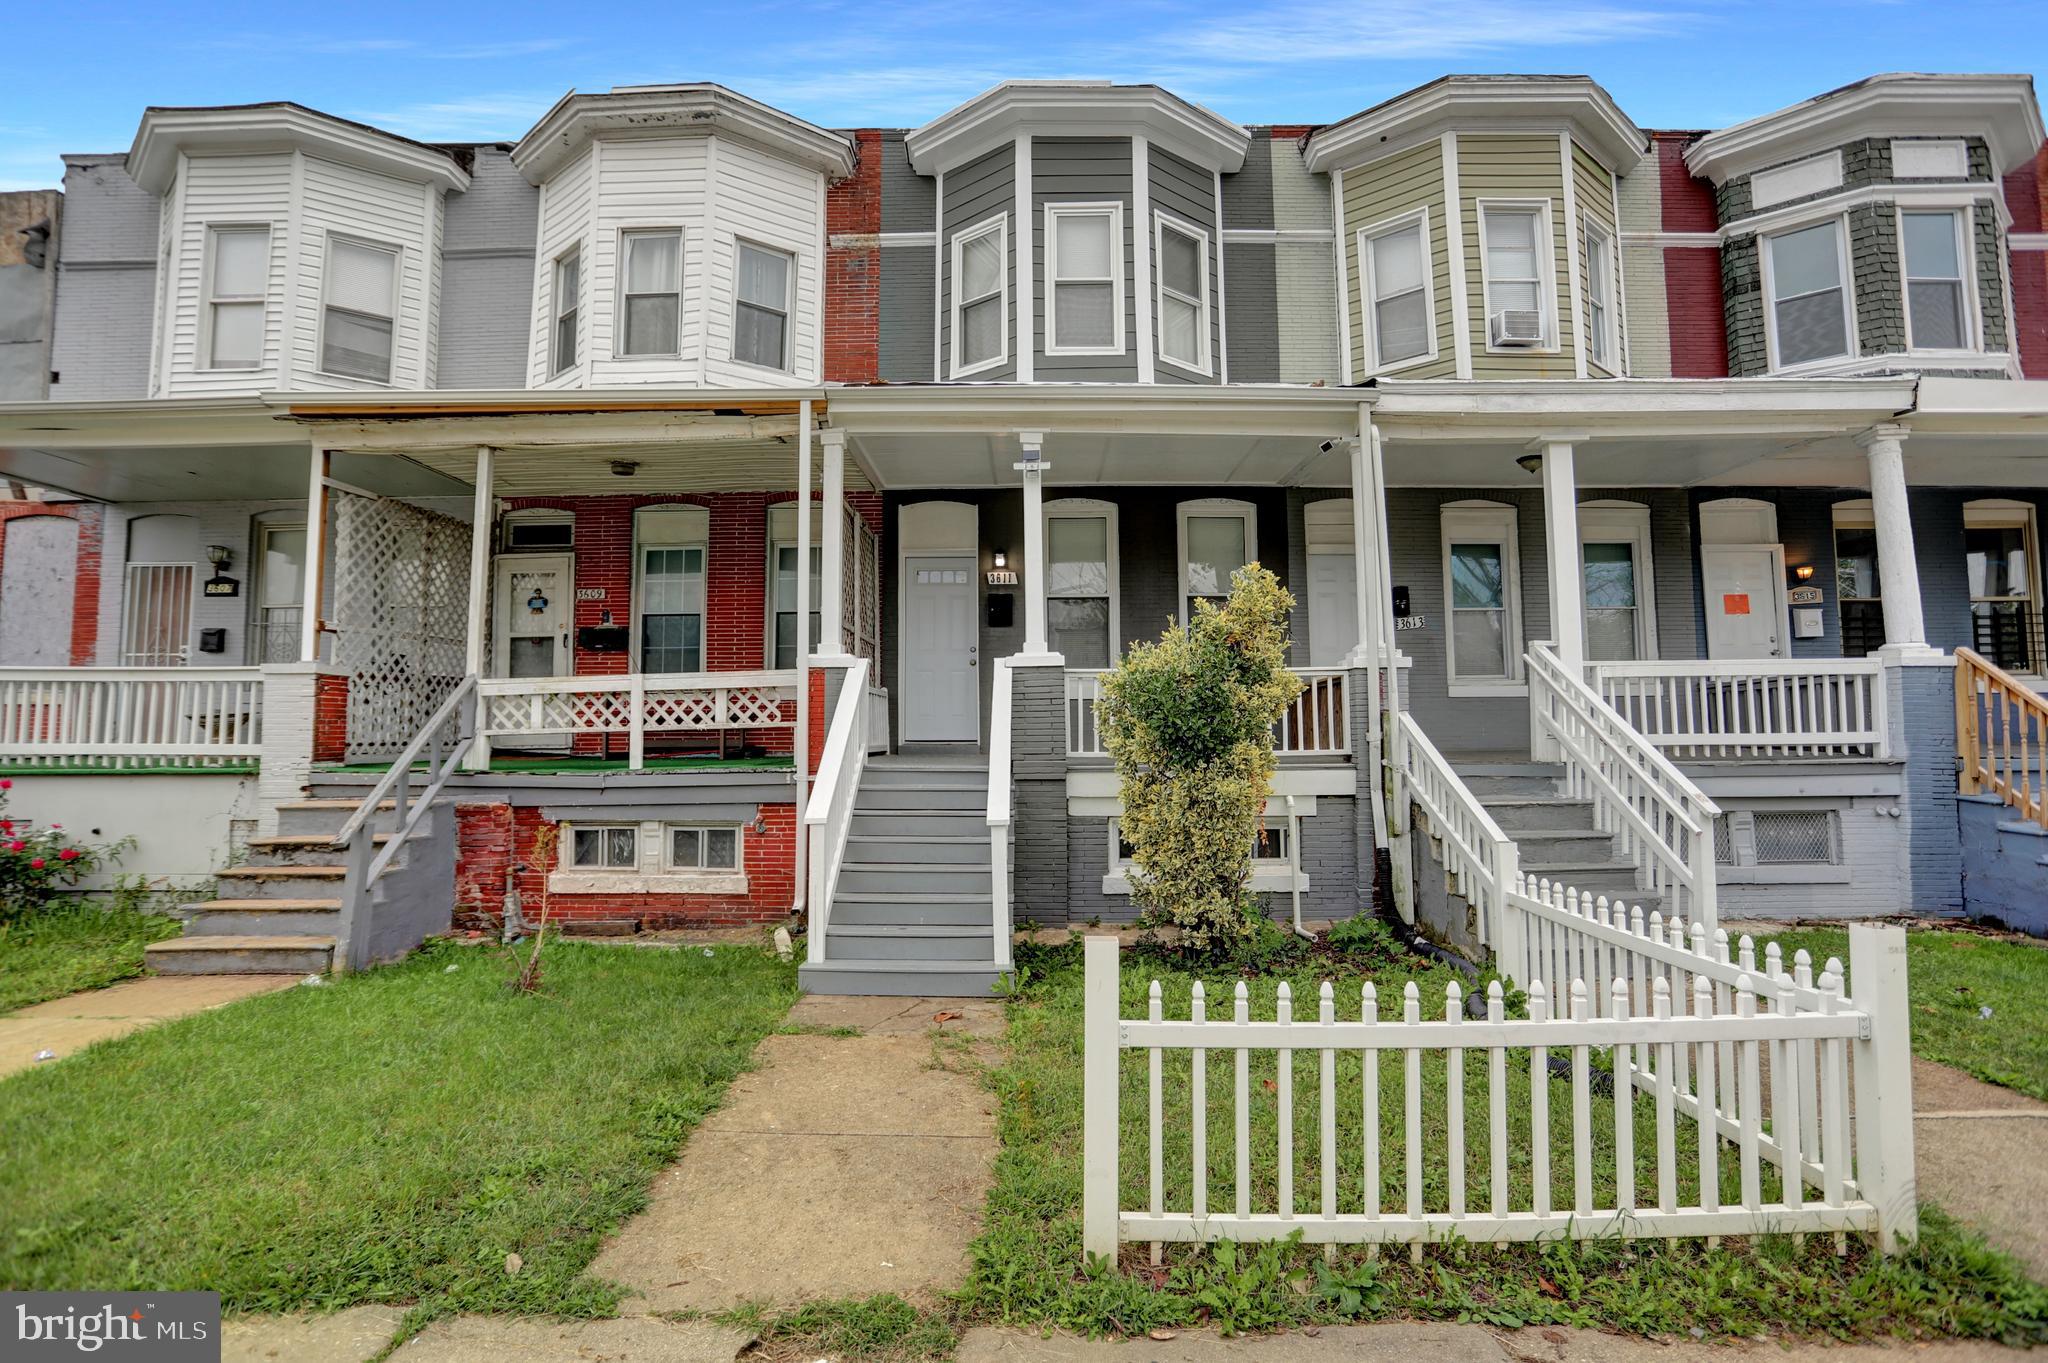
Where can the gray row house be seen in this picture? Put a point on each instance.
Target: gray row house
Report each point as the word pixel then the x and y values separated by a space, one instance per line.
pixel 690 515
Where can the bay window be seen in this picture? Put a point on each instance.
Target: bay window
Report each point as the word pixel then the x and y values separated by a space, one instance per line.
pixel 1808 282
pixel 1395 263
pixel 1084 312
pixel 981 296
pixel 1183 295
pixel 362 301
pixel 1937 306
pixel 651 293
pixel 761 306
pixel 1514 262
pixel 567 303
pixel 1603 340
pixel 238 275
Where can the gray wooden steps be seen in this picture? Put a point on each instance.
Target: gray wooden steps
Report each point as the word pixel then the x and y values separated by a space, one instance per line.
pixel 1553 834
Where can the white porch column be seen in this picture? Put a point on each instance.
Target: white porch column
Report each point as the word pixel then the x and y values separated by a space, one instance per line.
pixel 1561 551
pixel 1898 569
pixel 316 554
pixel 483 512
pixel 1366 506
pixel 832 565
pixel 800 748
pixel 1033 468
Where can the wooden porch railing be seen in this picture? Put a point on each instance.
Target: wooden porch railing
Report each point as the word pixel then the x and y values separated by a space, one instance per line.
pixel 2001 736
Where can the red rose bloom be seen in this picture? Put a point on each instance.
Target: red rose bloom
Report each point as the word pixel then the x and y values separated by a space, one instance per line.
pixel 37 864
pixel 6 783
pixel 68 854
pixel 17 846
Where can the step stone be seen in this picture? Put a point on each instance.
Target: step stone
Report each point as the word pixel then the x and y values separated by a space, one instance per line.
pixel 264 918
pixel 898 979
pixel 240 955
pixel 1539 813
pixel 920 799
pixel 883 911
pixel 896 942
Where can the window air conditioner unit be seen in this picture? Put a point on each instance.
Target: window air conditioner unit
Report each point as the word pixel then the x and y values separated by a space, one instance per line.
pixel 1515 327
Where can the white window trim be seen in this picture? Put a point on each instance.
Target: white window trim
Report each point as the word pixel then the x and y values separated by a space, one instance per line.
pixel 1114 210
pixel 652 874
pixel 739 852
pixel 397 254
pixel 1614 522
pixel 1962 219
pixel 2000 513
pixel 1546 270
pixel 641 543
pixel 796 263
pixel 1268 876
pixel 208 298
pixel 1857 513
pixel 1212 506
pixel 543 515
pixel 622 245
pixel 999 224
pixel 1420 220
pixel 788 540
pixel 556 368
pixel 1610 329
pixel 1088 509
pixel 1483 522
pixel 1846 272
pixel 1162 222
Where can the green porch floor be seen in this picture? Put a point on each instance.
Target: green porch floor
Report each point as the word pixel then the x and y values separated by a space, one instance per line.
pixel 569 764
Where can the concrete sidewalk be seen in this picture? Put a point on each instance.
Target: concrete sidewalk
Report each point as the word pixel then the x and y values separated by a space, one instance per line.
pixel 1969 1144
pixel 64 1025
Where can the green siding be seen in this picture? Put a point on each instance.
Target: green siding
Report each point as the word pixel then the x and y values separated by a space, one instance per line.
pixel 1491 167
pixel 1387 189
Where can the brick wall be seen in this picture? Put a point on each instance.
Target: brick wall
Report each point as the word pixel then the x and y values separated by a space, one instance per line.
pixel 85 591
pixel 492 837
pixel 853 267
pixel 1688 201
pixel 1692 275
pixel 2026 195
pixel 330 718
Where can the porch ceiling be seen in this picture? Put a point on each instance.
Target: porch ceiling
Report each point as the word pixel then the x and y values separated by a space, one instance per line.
pixel 914 460
pixel 734 464
pixel 181 473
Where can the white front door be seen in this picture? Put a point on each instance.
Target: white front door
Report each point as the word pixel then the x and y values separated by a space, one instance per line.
pixel 941 677
pixel 1332 608
pixel 1745 590
pixel 532 593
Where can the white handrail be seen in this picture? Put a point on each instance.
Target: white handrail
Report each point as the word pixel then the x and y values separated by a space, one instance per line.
pixel 1661 821
pixel 999 814
pixel 828 816
pixel 1751 708
pixel 1482 861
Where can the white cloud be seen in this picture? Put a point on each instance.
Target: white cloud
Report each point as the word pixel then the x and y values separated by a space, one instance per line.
pixel 469 118
pixel 1412 29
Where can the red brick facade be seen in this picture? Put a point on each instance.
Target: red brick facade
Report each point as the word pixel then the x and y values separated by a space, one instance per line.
pixel 85 589
pixel 853 268
pixel 330 718
pixel 1692 274
pixel 494 837
pixel 2026 196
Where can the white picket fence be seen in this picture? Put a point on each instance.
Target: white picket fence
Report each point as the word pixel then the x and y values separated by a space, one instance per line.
pixel 126 717
pixel 1812 1092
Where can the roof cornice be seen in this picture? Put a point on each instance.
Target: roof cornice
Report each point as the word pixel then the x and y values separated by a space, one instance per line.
pixel 1481 104
pixel 255 128
pixel 2000 109
pixel 1057 108
pixel 670 111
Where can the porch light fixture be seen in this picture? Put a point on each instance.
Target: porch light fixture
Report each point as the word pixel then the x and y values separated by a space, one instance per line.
pixel 1804 572
pixel 1531 463
pixel 219 555
pixel 1002 558
pixel 625 468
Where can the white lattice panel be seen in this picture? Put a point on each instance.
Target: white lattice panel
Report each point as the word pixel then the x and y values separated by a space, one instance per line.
pixel 401 592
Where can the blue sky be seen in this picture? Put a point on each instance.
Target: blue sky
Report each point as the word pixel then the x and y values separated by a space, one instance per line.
pixel 75 77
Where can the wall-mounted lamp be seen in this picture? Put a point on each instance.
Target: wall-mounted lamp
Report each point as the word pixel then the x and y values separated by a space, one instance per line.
pixel 1002 558
pixel 219 555
pixel 625 468
pixel 1803 573
pixel 1531 463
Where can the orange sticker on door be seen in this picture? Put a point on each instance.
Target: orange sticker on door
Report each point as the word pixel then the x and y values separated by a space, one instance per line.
pixel 1735 603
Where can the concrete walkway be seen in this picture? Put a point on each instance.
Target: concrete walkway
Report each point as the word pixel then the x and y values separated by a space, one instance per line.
pixel 842 1166
pixel 64 1025
pixel 1970 1141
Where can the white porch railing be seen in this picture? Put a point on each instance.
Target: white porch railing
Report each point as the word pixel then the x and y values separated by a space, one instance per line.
pixel 1767 708
pixel 637 704
pixel 878 719
pixel 999 795
pixel 1481 861
pixel 1729 1109
pixel 1661 821
pixel 828 814
pixel 1317 722
pixel 118 717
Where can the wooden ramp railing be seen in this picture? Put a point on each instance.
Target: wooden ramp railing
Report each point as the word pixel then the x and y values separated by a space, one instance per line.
pixel 2001 735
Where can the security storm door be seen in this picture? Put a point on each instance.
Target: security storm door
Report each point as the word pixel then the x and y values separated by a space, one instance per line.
pixel 1332 608
pixel 533 592
pixel 941 697
pixel 1745 589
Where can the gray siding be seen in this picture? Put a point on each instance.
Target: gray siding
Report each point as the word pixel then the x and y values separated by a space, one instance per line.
pixel 908 199
pixel 979 190
pixel 1880 287
pixel 106 283
pixel 1184 191
pixel 487 276
pixel 1923 710
pixel 1041 847
pixel 1248 195
pixel 1090 170
pixel 1253 324
pixel 908 292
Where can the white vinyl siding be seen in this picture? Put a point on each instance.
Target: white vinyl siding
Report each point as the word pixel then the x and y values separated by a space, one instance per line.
pixel 565 225
pixel 981 296
pixel 1806 277
pixel 656 186
pixel 344 204
pixel 764 279
pixel 565 324
pixel 227 191
pixel 771 203
pixel 1084 266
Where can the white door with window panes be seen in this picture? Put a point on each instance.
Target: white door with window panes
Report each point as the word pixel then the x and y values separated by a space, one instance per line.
pixel 1332 582
pixel 669 563
pixel 532 593
pixel 941 679
pixel 1482 598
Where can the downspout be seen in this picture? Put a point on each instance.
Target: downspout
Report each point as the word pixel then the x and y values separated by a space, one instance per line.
pixel 1294 866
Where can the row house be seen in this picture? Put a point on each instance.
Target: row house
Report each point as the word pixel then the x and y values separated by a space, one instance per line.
pixel 690 515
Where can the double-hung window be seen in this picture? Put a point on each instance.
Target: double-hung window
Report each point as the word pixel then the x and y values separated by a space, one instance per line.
pixel 670 547
pixel 782 558
pixel 362 299
pixel 1080 581
pixel 1085 266
pixel 1396 262
pixel 568 296
pixel 1602 335
pixel 761 306
pixel 1482 595
pixel 651 293
pixel 1809 291
pixel 1937 307
pixel 981 289
pixel 1517 303
pixel 1217 538
pixel 1183 295
pixel 239 280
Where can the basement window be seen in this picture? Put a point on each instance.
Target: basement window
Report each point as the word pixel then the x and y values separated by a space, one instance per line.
pixel 604 847
pixel 693 847
pixel 1763 845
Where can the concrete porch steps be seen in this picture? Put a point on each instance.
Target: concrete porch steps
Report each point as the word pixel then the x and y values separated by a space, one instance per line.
pixel 1553 833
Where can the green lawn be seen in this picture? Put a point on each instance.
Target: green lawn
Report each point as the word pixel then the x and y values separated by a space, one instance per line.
pixel 74 946
pixel 386 1137
pixel 1953 977
pixel 1026 1261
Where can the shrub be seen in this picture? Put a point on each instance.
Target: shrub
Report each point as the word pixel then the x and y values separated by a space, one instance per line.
pixel 35 863
pixel 1189 721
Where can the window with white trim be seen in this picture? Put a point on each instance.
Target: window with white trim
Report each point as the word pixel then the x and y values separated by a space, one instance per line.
pixel 782 556
pixel 761 306
pixel 1859 600
pixel 981 296
pixel 703 847
pixel 1515 266
pixel 567 303
pixel 651 292
pixel 1084 266
pixel 1482 596
pixel 1269 847
pixel 604 847
pixel 1217 537
pixel 1081 581
pixel 361 303
pixel 537 528
pixel 238 286
pixel 1614 554
pixel 1603 333
pixel 2005 588
pixel 1396 268
pixel 1806 272
pixel 1937 299
pixel 1183 294
pixel 669 546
